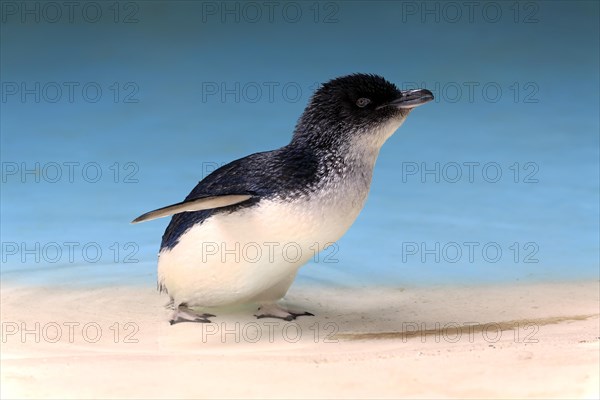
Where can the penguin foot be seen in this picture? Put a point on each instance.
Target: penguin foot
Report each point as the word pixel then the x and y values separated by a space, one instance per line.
pixel 275 311
pixel 183 313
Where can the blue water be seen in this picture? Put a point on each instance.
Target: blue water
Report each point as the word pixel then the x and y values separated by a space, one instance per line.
pixel 186 86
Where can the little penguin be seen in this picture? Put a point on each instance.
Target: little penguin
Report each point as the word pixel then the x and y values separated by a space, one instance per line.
pixel 244 231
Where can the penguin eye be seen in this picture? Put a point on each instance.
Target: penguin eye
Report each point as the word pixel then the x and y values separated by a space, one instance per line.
pixel 362 102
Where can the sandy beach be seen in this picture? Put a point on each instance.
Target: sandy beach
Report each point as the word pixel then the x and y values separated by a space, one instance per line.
pixel 509 341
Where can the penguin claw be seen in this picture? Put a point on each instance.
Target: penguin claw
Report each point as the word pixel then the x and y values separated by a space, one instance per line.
pixel 179 319
pixel 289 317
pixel 274 311
pixel 185 314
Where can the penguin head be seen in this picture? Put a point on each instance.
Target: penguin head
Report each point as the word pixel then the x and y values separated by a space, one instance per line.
pixel 356 106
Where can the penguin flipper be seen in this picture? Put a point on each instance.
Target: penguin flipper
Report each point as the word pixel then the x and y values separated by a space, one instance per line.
pixel 204 203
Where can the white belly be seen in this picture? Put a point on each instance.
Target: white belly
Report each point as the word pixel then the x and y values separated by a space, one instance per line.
pixel 252 255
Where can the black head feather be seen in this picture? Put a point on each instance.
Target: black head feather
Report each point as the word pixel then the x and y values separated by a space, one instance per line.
pixel 346 105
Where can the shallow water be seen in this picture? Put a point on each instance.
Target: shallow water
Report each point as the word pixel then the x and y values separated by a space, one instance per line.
pixel 511 142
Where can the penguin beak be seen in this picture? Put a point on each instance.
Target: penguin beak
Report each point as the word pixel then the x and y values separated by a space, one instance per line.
pixel 411 99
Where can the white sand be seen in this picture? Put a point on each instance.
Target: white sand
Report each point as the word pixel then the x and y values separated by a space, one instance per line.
pixel 373 342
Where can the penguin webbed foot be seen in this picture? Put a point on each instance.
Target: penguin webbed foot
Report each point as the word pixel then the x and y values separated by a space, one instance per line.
pixel 275 311
pixel 185 314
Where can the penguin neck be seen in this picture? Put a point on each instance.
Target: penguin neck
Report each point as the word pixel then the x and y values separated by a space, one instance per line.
pixel 357 149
